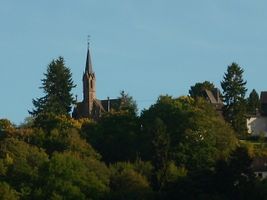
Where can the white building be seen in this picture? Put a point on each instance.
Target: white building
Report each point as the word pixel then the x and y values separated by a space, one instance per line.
pixel 257 125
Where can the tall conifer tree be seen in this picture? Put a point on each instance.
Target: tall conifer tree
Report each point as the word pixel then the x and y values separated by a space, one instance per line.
pixel 234 91
pixel 57 86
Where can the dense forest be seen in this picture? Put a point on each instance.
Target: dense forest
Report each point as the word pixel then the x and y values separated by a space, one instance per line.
pixel 178 148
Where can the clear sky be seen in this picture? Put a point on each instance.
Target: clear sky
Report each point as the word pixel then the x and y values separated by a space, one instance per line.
pixel 145 47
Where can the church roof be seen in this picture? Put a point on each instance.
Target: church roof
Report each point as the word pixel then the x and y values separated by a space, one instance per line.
pixel 88 65
pixel 111 104
pixel 99 104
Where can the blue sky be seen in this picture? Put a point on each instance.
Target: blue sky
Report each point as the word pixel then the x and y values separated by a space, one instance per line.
pixel 145 47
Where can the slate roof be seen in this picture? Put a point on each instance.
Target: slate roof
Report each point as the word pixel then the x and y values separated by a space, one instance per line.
pixel 110 104
pixel 88 65
pixel 211 97
pixel 99 104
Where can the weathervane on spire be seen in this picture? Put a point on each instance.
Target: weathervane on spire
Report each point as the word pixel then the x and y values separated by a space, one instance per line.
pixel 88 41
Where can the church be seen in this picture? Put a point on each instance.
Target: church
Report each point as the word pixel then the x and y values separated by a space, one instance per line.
pixel 91 107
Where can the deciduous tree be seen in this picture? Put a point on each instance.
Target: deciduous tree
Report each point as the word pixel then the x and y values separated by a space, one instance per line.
pixel 198 88
pixel 160 146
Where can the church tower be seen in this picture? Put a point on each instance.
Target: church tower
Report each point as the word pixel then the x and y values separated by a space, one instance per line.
pixel 89 86
pixel 91 107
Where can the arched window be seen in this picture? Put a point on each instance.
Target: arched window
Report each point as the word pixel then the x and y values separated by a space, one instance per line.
pixel 91 84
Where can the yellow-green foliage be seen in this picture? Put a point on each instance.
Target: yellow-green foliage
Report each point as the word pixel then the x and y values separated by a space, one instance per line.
pixel 255 148
pixel 7 193
pixel 127 183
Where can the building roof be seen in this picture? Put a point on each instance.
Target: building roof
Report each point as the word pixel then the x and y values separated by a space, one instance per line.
pixel 263 97
pixel 99 104
pixel 111 104
pixel 88 65
pixel 211 97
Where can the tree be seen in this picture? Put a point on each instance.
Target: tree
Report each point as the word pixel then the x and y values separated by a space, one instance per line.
pixel 20 164
pixel 64 136
pixel 234 177
pixel 6 127
pixel 57 86
pixel 127 183
pixel 197 89
pixel 115 137
pixel 253 102
pixel 160 146
pixel 198 135
pixel 7 193
pixel 128 103
pixel 68 176
pixel 234 92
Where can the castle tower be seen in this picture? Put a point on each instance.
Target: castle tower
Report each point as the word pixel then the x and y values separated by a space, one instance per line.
pixel 89 86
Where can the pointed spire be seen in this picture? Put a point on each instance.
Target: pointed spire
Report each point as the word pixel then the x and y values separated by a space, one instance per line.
pixel 88 65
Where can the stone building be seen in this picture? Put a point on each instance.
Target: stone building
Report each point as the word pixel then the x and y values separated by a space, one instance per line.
pixel 91 107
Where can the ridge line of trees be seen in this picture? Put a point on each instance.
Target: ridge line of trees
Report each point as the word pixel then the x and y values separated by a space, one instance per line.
pixel 179 148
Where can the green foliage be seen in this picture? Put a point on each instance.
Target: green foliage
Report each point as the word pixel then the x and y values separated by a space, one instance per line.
pixel 198 88
pixel 234 91
pixel 73 172
pixel 180 148
pixel 6 127
pixel 253 103
pixel 234 177
pixel 61 140
pixel 233 84
pixel 144 168
pixel 115 137
pixel 239 121
pixel 50 121
pixel 160 150
pixel 20 165
pixel 7 193
pixel 173 173
pixel 28 122
pixel 127 183
pixel 231 179
pixel 127 103
pixel 57 86
pixel 198 135
pixel 67 176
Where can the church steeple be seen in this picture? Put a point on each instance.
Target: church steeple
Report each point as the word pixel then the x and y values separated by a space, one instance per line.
pixel 89 86
pixel 88 65
pixel 91 106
